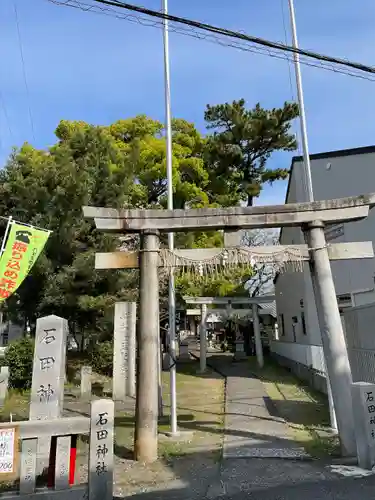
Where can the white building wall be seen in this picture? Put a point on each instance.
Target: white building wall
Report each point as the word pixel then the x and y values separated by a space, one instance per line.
pixel 293 290
pixel 336 178
pixel 333 177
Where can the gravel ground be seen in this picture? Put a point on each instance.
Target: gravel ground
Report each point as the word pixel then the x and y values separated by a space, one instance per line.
pixel 190 465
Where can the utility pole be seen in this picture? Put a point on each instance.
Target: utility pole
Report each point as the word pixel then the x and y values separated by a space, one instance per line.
pixel 172 293
pixel 307 171
pixel 305 144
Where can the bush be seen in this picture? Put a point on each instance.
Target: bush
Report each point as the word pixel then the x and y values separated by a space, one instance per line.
pixel 102 358
pixel 19 358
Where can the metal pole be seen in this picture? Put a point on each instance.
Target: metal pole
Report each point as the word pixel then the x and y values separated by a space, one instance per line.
pixel 305 145
pixel 257 337
pixel 172 295
pixel 7 229
pixel 203 340
pixel 202 333
pixel 319 310
pixel 306 158
pixel 160 370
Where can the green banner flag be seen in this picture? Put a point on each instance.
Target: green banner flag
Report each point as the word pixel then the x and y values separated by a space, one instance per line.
pixel 22 248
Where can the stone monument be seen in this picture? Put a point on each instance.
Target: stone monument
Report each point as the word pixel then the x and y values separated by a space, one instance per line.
pixel 86 382
pixel 363 395
pixel 4 382
pixel 101 450
pixel 124 350
pixel 47 389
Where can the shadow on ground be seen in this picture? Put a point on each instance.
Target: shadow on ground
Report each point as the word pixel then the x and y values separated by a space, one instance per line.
pixel 186 423
pixel 309 413
pixel 346 489
pixel 201 475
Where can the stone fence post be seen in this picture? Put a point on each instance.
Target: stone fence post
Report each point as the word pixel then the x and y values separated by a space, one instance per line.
pixel 363 396
pixel 86 382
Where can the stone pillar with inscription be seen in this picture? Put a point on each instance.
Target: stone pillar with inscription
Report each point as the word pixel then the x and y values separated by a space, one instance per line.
pixel 4 381
pixel 86 382
pixel 124 350
pixel 363 396
pixel 47 388
pixel 101 450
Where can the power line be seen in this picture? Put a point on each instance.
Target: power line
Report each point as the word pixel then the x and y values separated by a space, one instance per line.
pixel 5 111
pixel 238 35
pixel 286 42
pixel 24 69
pixel 240 42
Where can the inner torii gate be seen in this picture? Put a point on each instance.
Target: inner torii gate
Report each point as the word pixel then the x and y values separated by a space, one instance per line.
pixel 254 302
pixel 311 217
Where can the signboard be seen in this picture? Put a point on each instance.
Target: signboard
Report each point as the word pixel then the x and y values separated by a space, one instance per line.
pixel 8 452
pixel 334 231
pixel 22 248
pixel 193 312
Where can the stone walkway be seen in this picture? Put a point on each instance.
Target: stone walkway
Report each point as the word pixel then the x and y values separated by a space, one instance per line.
pixel 260 460
pixel 250 429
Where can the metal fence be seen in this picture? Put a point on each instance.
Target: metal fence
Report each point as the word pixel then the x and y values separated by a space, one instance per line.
pixel 359 328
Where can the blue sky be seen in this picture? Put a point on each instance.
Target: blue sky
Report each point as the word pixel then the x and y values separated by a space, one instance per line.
pixel 82 66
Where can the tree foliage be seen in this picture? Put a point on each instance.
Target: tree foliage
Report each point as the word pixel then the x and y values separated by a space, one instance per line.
pixel 261 281
pixel 48 189
pixel 19 359
pixel 124 165
pixel 240 146
pixel 229 283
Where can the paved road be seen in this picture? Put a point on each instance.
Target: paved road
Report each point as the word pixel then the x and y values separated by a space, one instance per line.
pixel 343 489
pixel 340 489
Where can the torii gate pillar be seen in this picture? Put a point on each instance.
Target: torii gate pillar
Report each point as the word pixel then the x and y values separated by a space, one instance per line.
pixel 334 345
pixel 146 442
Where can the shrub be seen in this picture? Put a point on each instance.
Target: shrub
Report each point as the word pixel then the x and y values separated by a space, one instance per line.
pixel 102 358
pixel 19 358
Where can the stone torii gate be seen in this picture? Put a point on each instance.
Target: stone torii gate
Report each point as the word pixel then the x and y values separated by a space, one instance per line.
pixel 254 302
pixel 311 217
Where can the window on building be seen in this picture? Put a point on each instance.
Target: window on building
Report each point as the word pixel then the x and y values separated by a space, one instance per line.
pixel 281 325
pixel 5 338
pixel 294 327
pixel 344 300
pixel 303 322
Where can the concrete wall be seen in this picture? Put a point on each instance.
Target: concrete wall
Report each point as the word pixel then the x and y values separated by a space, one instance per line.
pixel 305 361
